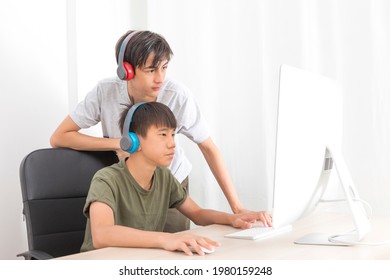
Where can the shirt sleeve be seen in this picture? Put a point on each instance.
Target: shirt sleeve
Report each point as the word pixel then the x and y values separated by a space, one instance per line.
pixel 99 191
pixel 190 120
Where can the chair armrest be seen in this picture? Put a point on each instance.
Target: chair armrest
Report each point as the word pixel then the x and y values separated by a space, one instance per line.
pixel 35 255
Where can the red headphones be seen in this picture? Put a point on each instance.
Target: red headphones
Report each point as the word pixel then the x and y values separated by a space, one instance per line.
pixel 125 70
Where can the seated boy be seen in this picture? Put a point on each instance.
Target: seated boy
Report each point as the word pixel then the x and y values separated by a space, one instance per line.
pixel 127 203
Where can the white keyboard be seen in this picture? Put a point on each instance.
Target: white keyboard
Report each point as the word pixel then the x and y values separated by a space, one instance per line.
pixel 258 232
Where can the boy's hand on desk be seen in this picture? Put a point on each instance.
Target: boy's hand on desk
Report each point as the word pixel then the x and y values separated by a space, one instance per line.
pixel 245 220
pixel 181 241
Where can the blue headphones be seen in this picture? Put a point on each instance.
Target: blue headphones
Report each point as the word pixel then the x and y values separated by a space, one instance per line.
pixel 129 141
pixel 125 70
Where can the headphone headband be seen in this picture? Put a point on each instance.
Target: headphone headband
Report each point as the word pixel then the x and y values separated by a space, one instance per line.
pixel 129 141
pixel 129 117
pixel 122 70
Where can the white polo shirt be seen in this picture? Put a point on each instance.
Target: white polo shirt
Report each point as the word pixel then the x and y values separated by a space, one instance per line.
pixel 106 102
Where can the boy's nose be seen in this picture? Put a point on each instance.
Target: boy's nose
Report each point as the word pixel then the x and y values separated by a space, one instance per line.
pixel 159 76
pixel 172 143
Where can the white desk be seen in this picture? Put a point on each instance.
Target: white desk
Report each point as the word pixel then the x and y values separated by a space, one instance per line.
pixel 280 247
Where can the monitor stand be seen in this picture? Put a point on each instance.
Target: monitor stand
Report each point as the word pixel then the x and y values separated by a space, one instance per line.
pixel 318 239
pixel 334 158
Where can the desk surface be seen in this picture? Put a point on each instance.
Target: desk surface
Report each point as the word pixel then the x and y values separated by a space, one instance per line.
pixel 279 247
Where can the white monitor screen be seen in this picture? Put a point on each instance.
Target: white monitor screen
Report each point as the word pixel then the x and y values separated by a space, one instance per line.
pixel 309 119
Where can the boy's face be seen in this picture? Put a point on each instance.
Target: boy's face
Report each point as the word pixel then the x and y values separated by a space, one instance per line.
pixel 148 80
pixel 159 145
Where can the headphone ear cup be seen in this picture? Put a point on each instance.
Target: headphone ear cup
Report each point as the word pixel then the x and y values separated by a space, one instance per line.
pixel 134 142
pixel 130 143
pixel 129 70
pixel 125 143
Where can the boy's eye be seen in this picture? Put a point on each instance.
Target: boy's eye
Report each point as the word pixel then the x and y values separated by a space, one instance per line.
pixel 149 70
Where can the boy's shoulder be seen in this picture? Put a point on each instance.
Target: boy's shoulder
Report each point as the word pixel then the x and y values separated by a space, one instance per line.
pixel 111 171
pixel 173 92
pixel 172 85
pixel 111 82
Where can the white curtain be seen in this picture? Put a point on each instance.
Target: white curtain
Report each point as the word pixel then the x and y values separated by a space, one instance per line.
pixel 229 52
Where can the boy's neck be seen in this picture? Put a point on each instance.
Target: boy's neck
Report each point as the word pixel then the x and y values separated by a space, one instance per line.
pixel 137 96
pixel 141 172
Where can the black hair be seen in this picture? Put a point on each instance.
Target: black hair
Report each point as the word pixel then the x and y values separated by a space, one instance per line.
pixel 147 115
pixel 141 46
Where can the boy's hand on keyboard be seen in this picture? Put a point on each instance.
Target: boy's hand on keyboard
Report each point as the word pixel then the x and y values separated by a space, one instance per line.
pixel 245 220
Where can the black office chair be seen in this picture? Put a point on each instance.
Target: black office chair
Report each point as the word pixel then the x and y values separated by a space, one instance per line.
pixel 55 183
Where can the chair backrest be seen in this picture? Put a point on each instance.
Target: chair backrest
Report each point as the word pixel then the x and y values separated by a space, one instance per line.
pixel 55 183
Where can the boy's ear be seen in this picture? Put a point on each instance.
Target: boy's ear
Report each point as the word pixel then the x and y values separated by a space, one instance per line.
pixel 139 148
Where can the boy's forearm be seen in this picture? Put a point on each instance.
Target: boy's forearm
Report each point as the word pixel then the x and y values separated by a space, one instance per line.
pixel 121 236
pixel 78 141
pixel 67 135
pixel 206 217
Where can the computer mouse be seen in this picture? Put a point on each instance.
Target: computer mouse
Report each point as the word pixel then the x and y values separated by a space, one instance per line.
pixel 205 250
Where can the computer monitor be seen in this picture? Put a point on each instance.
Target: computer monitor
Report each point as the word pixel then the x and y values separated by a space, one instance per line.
pixel 308 145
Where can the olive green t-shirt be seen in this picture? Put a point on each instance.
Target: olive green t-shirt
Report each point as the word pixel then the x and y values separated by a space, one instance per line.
pixel 132 205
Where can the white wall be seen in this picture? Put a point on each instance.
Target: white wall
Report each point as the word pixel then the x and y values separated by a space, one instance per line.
pixel 33 93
